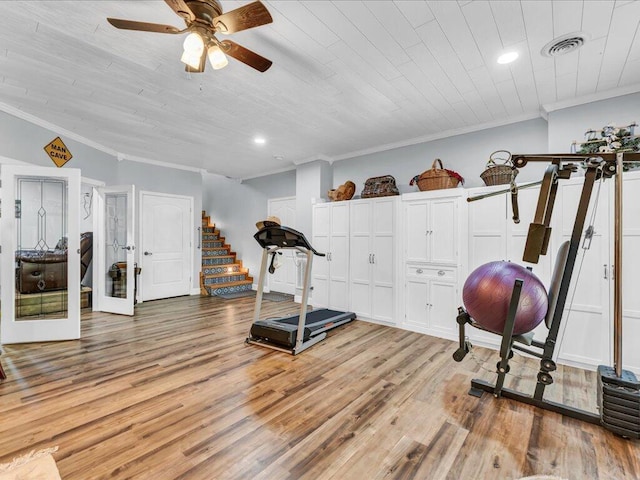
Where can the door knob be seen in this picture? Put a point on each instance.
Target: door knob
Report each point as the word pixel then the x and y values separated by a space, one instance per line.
pixel 148 253
pixel 129 248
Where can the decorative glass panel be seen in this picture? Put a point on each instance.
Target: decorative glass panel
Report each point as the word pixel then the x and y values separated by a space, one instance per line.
pixel 41 253
pixel 116 243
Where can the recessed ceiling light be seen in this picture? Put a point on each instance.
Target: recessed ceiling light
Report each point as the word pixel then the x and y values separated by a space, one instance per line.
pixel 260 140
pixel 507 57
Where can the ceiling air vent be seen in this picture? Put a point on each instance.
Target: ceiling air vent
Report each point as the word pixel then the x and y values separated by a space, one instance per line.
pixel 564 44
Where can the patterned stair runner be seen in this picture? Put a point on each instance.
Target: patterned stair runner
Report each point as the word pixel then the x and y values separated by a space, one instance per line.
pixel 222 272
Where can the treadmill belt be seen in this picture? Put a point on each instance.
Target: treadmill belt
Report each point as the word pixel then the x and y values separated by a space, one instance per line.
pixel 313 317
pixel 283 331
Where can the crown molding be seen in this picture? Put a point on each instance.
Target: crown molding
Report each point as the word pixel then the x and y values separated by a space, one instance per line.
pixel 271 172
pixel 593 97
pixel 158 163
pixel 313 158
pixel 439 136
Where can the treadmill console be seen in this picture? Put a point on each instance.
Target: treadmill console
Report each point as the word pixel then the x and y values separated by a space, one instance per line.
pixel 283 237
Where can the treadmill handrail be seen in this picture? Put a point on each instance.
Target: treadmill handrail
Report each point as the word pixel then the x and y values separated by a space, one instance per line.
pixel 283 237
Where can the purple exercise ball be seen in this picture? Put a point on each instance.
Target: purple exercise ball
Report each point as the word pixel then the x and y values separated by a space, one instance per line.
pixel 487 293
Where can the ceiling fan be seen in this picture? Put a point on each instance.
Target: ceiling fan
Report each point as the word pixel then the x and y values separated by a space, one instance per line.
pixel 204 19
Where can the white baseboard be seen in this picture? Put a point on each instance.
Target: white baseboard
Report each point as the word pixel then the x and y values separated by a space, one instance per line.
pixel 195 291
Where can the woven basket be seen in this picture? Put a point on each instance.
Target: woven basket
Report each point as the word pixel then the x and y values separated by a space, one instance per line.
pixel 436 178
pixel 496 174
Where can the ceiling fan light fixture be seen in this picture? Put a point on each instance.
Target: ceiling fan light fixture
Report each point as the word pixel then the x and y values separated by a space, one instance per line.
pixel 217 58
pixel 191 58
pixel 193 44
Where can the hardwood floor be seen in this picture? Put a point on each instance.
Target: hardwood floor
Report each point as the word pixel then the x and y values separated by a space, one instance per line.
pixel 174 393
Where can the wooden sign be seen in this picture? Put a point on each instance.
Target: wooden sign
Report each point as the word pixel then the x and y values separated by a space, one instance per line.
pixel 58 152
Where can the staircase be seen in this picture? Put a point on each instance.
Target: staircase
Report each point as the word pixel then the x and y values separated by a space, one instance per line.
pixel 222 273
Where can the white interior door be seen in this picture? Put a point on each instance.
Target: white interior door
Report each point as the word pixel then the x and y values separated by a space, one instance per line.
pixel 40 232
pixel 114 264
pixel 166 252
pixel 283 278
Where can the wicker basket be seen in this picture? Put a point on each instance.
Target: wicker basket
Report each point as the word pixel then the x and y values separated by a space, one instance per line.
pixel 436 178
pixel 496 174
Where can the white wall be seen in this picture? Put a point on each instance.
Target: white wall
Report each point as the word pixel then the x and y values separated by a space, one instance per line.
pixel 569 124
pixel 235 207
pixel 467 154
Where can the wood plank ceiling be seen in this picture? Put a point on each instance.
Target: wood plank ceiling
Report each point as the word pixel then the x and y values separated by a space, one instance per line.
pixel 348 76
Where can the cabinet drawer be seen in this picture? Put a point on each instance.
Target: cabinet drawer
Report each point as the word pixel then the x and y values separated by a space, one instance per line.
pixel 442 273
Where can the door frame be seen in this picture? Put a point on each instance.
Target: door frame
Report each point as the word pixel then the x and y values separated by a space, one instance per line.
pixel 140 235
pixel 12 331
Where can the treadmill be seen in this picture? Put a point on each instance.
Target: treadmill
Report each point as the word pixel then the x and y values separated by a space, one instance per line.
pixel 298 332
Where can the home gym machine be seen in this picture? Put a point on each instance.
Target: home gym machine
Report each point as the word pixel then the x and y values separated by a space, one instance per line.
pixel 295 333
pixel 618 393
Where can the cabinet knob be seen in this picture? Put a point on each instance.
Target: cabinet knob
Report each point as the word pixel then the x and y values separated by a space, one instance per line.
pixel 440 273
pixel 419 271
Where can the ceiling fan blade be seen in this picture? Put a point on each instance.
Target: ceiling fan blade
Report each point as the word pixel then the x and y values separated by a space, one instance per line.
pixel 143 26
pixel 245 55
pixel 200 69
pixel 182 9
pixel 249 16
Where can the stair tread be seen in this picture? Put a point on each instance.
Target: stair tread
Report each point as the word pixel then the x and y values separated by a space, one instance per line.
pixel 223 274
pixel 230 284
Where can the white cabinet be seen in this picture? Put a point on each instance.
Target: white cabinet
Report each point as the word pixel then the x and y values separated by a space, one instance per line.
pixel 330 273
pixel 431 230
pixel 431 298
pixel 372 258
pixel 433 233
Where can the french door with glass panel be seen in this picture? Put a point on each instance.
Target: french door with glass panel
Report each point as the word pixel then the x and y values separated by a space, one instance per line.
pixel 114 271
pixel 40 234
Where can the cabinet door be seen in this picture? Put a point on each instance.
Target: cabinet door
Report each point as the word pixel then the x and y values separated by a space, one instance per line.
pixel 443 308
pixel 382 282
pixel 416 215
pixel 417 304
pixel 631 267
pixel 442 235
pixel 360 258
pixel 320 270
pixel 487 231
pixel 586 329
pixel 383 260
pixel 339 258
pixel 320 274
